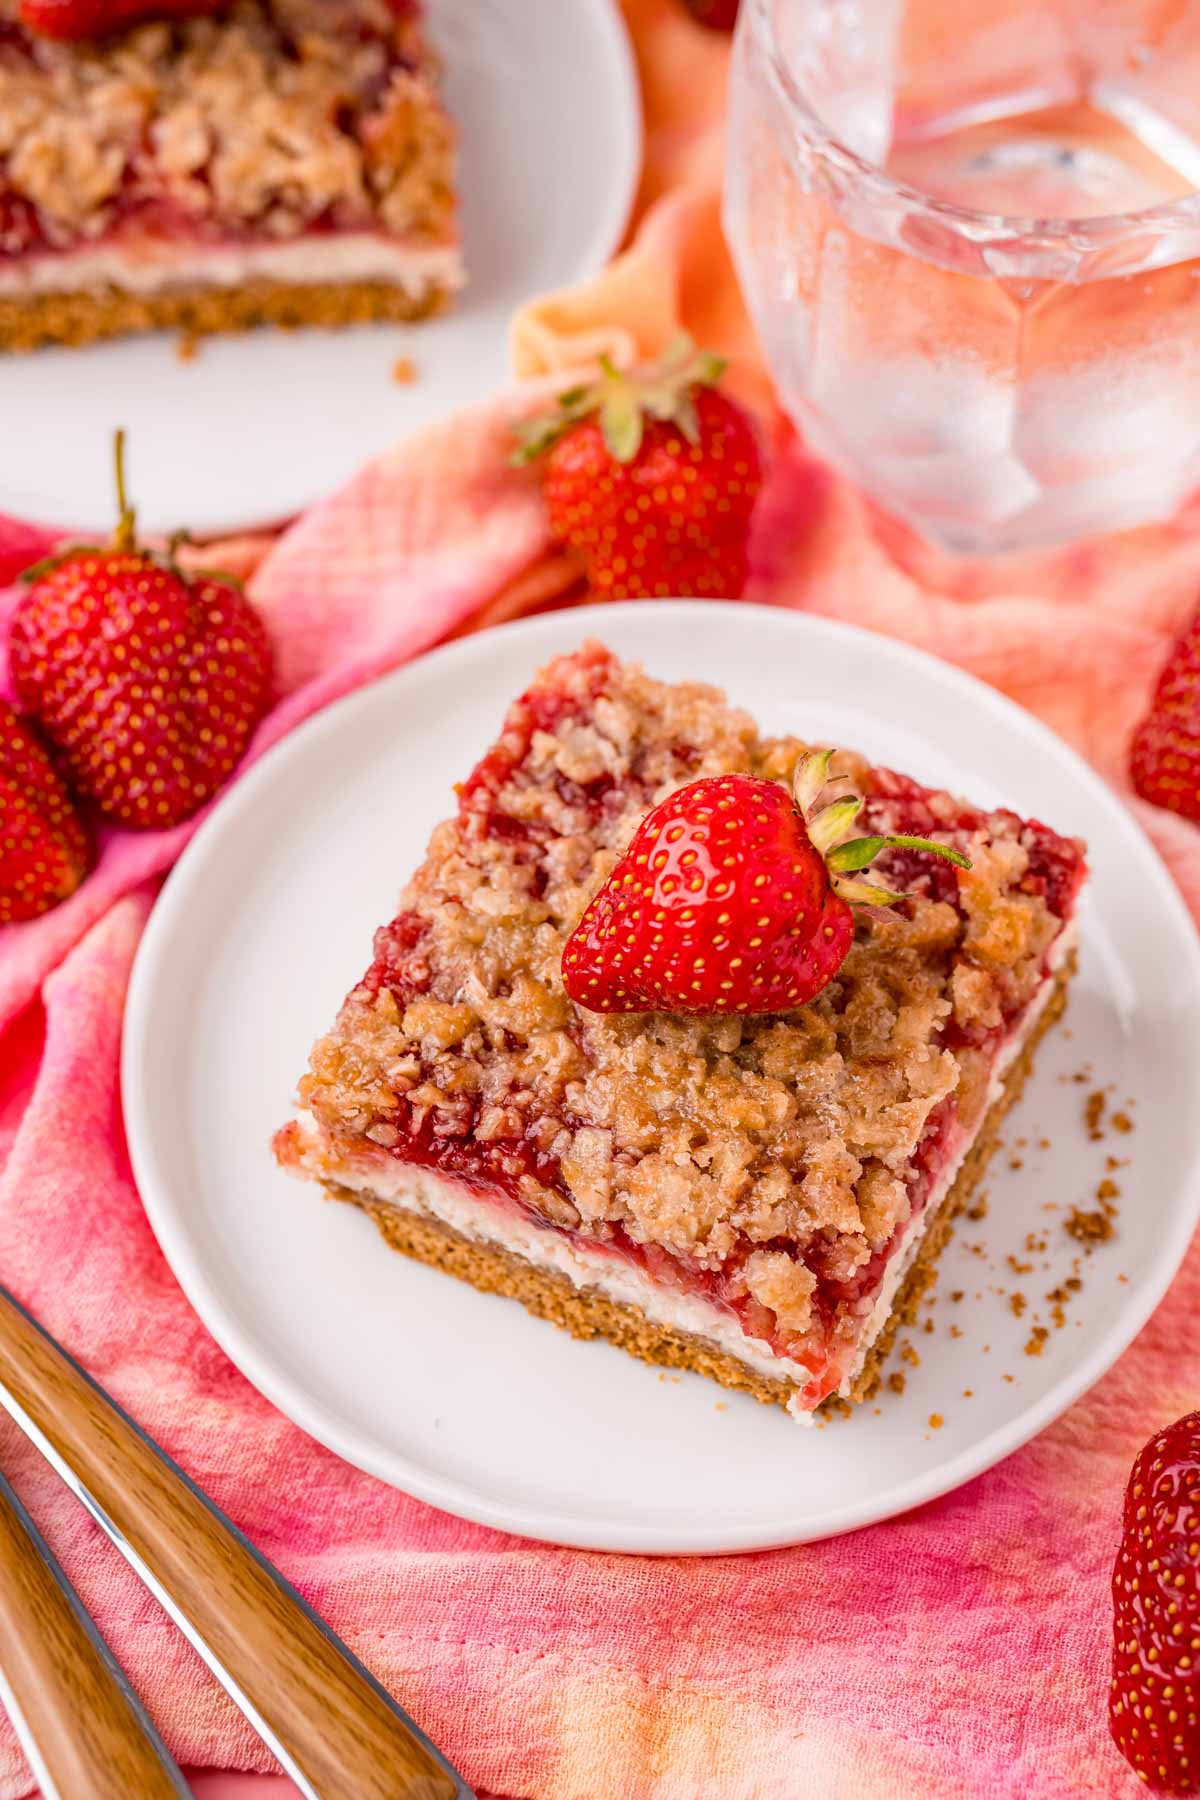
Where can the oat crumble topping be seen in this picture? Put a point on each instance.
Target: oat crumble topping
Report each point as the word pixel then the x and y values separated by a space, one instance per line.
pixel 275 118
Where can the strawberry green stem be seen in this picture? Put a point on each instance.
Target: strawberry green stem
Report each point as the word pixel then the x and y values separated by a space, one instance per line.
pixel 826 825
pixel 125 536
pixel 861 851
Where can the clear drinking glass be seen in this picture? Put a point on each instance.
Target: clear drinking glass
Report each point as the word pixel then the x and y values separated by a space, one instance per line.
pixel 970 238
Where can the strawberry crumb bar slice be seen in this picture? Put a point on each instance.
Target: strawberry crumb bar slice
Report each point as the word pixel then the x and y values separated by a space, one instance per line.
pixel 760 1198
pixel 282 162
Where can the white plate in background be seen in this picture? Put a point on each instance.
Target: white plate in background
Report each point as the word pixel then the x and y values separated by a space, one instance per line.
pixel 464 1400
pixel 257 427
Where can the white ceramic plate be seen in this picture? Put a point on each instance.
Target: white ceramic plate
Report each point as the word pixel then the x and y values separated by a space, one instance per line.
pixel 251 431
pixel 463 1399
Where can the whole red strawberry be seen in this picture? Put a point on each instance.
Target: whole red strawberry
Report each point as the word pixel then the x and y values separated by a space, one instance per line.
pixel 652 477
pixel 147 683
pixel 1154 1698
pixel 733 897
pixel 98 18
pixel 1164 757
pixel 44 847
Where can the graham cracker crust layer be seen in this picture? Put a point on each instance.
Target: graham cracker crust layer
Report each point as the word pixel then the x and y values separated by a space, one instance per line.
pixel 29 322
pixel 587 1313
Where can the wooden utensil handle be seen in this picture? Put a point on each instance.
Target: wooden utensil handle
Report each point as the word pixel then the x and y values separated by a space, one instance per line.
pixel 334 1729
pixel 82 1727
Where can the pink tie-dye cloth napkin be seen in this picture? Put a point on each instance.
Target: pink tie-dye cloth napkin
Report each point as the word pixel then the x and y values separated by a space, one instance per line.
pixel 957 1652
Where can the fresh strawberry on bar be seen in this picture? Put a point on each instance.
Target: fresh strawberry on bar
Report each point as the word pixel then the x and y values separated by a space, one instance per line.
pixel 1154 1697
pixel 44 846
pixel 1164 757
pixel 651 477
pixel 147 682
pixel 71 19
pixel 734 896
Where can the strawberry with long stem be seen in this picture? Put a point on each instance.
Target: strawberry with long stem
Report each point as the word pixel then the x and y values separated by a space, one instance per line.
pixel 147 682
pixel 734 896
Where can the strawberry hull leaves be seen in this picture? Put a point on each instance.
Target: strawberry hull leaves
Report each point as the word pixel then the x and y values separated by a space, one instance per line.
pixel 733 897
pixel 622 402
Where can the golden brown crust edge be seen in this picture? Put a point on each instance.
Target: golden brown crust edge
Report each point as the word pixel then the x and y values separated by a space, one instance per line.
pixel 33 321
pixel 922 1272
pixel 585 1313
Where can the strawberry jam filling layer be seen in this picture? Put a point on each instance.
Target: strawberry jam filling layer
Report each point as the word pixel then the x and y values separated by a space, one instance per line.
pixel 774 1167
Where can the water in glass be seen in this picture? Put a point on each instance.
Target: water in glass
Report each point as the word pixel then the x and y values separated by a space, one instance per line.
pixel 970 239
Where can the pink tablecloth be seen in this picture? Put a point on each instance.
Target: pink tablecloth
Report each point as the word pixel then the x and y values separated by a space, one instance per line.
pixel 215 1786
pixel 957 1652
